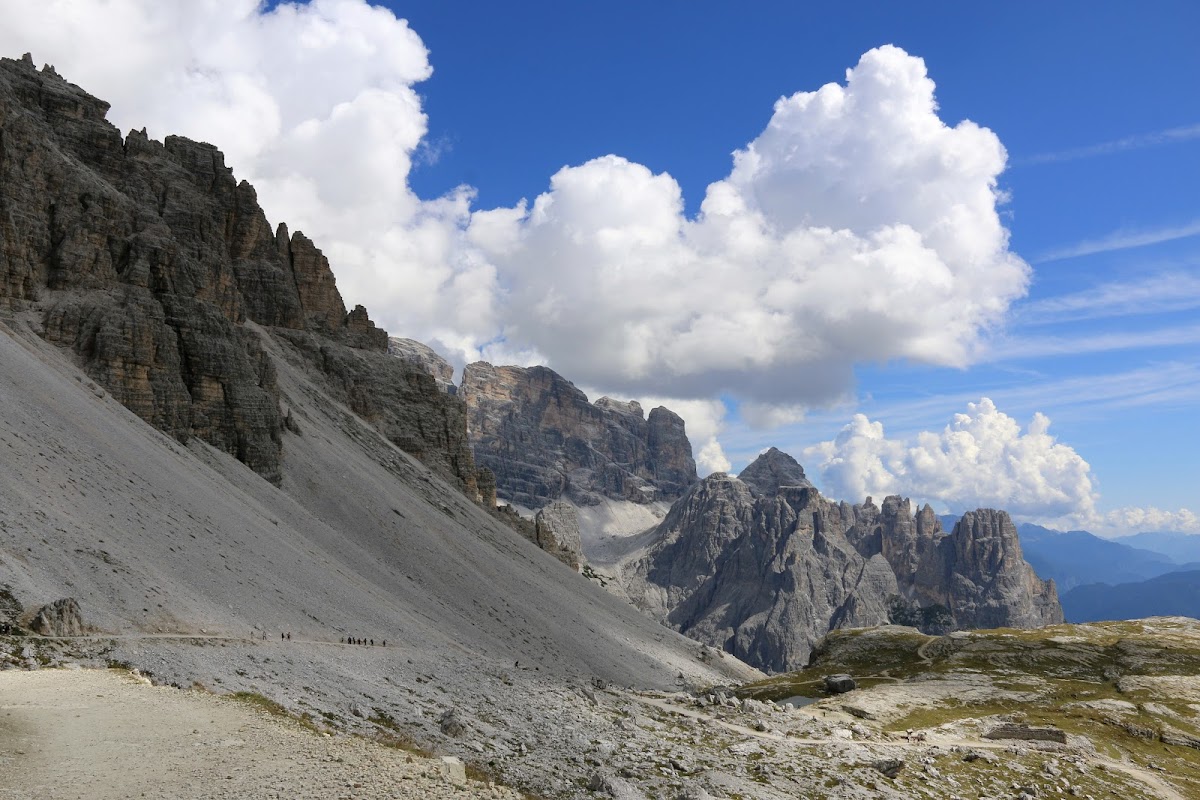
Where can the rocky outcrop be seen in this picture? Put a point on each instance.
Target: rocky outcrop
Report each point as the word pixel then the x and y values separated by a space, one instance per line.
pixel 425 358
pixel 772 471
pixel 991 585
pixel 556 530
pixel 397 399
pixel 765 573
pixel 977 574
pixel 149 260
pixel 60 618
pixel 544 441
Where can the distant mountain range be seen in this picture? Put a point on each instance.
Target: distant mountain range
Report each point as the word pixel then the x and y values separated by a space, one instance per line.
pixel 1182 547
pixel 1147 574
pixel 1173 594
pixel 1076 558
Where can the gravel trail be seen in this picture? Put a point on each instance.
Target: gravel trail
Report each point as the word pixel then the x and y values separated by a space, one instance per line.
pixel 102 734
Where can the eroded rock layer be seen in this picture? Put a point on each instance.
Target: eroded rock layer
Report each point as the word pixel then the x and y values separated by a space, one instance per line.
pixel 150 261
pixel 543 440
pixel 765 569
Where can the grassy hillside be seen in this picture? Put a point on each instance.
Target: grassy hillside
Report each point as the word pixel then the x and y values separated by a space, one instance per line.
pixel 1128 691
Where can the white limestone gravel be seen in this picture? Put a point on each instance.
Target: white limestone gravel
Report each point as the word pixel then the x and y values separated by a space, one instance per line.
pixel 100 734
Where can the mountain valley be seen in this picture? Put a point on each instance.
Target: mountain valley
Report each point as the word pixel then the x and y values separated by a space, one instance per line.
pixel 216 477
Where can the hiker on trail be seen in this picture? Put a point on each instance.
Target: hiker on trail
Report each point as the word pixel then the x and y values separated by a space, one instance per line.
pixel 289 636
pixel 282 637
pixel 372 643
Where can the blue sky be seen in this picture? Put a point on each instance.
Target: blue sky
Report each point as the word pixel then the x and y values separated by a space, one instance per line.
pixel 1094 102
pixel 452 159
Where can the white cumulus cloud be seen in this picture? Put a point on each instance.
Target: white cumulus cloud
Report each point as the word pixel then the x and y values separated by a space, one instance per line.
pixel 1125 520
pixel 857 227
pixel 983 458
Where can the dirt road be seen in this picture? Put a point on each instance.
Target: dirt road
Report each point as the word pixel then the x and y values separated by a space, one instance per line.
pixel 103 734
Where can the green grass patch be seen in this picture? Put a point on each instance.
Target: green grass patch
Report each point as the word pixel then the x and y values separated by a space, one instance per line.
pixel 269 706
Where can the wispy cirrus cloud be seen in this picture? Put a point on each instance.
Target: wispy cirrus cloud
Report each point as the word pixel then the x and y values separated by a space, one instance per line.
pixel 1158 294
pixel 1122 240
pixel 1045 346
pixel 1183 133
pixel 1160 385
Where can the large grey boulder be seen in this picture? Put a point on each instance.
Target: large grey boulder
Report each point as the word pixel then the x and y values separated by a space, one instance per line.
pixel 556 530
pixel 60 618
pixel 839 684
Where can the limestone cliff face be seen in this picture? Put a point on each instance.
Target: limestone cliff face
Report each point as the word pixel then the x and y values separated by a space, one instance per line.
pixel 150 260
pixel 764 571
pixel 993 586
pixel 544 440
pixel 425 358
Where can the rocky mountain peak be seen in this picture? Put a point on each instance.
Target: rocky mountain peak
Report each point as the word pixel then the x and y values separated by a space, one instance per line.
pixel 424 358
pixel 985 539
pixel 630 407
pixel 150 260
pixel 544 440
pixel 766 572
pixel 773 470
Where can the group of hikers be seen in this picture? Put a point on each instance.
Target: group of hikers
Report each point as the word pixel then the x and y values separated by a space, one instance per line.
pixel 368 642
pixel 287 637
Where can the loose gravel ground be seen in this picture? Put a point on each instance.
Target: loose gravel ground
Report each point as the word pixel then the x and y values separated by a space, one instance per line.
pixel 100 734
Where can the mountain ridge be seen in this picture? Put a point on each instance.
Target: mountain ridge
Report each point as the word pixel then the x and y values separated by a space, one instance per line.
pixel 765 573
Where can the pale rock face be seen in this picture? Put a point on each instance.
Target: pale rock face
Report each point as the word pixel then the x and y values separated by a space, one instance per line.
pixel 544 441
pixel 993 585
pixel 556 530
pixel 764 572
pixel 425 358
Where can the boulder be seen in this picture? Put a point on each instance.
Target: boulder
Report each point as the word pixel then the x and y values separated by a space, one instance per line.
pixel 839 684
pixel 60 618
pixel 612 786
pixel 556 530
pixel 453 770
pixel 450 724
